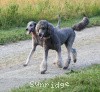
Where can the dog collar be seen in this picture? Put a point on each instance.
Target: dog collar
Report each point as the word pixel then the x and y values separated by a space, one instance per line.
pixel 46 38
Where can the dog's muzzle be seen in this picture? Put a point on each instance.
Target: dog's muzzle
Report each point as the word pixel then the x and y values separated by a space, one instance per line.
pixel 28 31
pixel 41 35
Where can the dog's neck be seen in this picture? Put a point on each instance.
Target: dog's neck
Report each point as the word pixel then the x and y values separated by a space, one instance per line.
pixel 46 38
pixel 34 34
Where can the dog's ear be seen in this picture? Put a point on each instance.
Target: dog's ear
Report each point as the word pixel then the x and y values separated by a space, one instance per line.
pixel 35 23
pixel 52 33
pixel 50 29
pixel 37 28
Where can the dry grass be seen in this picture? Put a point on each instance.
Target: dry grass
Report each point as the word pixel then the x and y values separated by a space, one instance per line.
pixel 62 5
pixel 18 12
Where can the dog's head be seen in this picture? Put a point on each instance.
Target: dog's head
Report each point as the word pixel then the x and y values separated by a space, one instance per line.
pixel 44 29
pixel 30 27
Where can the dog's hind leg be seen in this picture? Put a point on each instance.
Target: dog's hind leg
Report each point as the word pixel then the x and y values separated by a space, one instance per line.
pixel 30 55
pixel 67 62
pixel 68 45
pixel 74 55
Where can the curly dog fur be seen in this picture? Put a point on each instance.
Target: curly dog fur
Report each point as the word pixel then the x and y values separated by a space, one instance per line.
pixel 81 25
pixel 57 37
pixel 35 38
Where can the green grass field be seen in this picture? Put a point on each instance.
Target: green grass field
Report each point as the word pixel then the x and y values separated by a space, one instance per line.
pixel 86 80
pixel 18 34
pixel 13 35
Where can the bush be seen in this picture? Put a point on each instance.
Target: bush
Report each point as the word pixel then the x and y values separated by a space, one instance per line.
pixel 18 13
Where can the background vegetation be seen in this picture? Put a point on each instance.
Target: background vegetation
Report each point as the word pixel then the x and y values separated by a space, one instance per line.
pixel 16 13
pixel 19 33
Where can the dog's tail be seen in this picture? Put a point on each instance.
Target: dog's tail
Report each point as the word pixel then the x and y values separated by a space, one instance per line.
pixel 81 25
pixel 59 22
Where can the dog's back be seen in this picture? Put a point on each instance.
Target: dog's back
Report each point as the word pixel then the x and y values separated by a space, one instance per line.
pixel 64 34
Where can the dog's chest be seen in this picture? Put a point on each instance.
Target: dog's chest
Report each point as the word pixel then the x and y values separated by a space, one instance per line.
pixel 38 41
pixel 50 44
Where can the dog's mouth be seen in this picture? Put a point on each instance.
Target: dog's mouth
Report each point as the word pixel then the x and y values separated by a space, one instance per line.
pixel 41 35
pixel 29 31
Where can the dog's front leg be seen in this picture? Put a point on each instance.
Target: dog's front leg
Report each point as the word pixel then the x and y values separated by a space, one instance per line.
pixel 59 59
pixel 66 63
pixel 30 55
pixel 43 65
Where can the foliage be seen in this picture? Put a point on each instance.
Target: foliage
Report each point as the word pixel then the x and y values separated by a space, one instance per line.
pixel 15 13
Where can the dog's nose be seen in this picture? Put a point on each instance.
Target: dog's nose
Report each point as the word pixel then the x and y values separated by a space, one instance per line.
pixel 26 29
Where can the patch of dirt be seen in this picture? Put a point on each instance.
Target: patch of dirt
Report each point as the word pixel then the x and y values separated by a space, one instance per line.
pixel 13 56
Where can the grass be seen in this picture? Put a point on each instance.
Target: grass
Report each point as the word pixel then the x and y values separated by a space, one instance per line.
pixel 15 13
pixel 12 35
pixel 86 80
pixel 18 34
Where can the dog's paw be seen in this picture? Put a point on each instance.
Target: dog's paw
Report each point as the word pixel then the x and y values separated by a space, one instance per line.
pixel 75 60
pixel 43 72
pixel 24 65
pixel 60 66
pixel 43 67
pixel 65 67
pixel 66 64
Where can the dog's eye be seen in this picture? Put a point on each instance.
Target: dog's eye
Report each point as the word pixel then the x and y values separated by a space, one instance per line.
pixel 31 25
